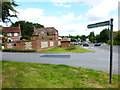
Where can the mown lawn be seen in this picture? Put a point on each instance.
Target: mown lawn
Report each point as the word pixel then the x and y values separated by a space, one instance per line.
pixel 59 49
pixel 36 75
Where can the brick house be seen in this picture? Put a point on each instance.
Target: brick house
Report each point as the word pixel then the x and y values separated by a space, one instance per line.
pixel 49 33
pixel 13 33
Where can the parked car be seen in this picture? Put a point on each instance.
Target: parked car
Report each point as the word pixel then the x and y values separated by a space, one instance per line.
pixel 85 44
pixel 76 43
pixel 97 44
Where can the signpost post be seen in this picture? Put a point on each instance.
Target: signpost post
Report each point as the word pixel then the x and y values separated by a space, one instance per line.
pixel 106 23
pixel 111 48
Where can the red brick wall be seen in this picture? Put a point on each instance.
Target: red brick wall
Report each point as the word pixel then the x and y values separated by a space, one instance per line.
pixel 49 47
pixel 32 44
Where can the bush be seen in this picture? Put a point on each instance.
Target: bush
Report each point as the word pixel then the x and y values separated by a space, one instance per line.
pixel 116 42
pixel 71 47
pixel 108 42
pixel 17 50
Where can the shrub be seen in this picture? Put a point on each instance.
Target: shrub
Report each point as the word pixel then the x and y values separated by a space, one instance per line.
pixel 31 39
pixel 116 42
pixel 17 50
pixel 108 42
pixel 71 47
pixel 46 38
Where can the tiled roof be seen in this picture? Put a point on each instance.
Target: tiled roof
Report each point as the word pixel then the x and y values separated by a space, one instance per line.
pixel 47 30
pixel 65 39
pixel 50 28
pixel 11 29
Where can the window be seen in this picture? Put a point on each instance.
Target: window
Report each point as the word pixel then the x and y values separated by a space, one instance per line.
pixel 9 34
pixel 15 34
pixel 16 39
pixel 42 32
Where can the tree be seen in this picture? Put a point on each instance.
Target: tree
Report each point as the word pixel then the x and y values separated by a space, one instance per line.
pixel 97 38
pixel 83 38
pixel 37 25
pixel 77 37
pixel 92 37
pixel 27 28
pixel 116 39
pixel 8 7
pixel 104 35
pixel 73 38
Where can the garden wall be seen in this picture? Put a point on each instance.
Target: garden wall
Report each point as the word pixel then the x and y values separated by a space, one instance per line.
pixel 32 44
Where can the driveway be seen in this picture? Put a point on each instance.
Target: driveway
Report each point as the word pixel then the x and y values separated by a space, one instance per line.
pixel 97 60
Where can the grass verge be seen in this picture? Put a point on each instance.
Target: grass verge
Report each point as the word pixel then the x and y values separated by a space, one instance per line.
pixel 36 75
pixel 59 49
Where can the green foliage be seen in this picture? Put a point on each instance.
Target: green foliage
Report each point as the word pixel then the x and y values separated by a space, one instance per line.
pixel 59 49
pixel 83 38
pixel 92 37
pixel 27 28
pixel 18 50
pixel 32 39
pixel 116 42
pixel 117 38
pixel 104 35
pixel 97 38
pixel 76 38
pixel 4 39
pixel 71 47
pixel 6 8
pixel 25 37
pixel 46 38
pixel 73 38
pixel 108 42
pixel 38 25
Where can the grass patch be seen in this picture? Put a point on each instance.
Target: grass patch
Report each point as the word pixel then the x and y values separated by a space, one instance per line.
pixel 59 49
pixel 36 75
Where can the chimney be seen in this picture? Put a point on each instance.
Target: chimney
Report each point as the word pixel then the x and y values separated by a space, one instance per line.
pixel 34 28
pixel 18 25
pixel 19 30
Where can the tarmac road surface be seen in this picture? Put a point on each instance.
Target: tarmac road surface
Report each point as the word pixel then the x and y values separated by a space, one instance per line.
pixel 97 60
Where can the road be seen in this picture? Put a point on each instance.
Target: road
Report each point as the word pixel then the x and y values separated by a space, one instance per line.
pixel 97 60
pixel 116 49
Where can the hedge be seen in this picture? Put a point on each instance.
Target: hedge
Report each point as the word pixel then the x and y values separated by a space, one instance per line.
pixel 17 50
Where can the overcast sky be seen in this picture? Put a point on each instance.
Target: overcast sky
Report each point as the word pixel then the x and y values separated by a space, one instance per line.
pixel 69 16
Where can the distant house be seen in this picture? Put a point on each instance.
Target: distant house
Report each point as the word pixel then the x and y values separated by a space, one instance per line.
pixel 49 33
pixel 13 33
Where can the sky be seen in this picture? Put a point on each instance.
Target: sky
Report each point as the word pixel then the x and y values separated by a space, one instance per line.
pixel 69 16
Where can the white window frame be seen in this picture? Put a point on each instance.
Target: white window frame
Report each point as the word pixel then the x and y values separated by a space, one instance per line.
pixel 9 34
pixel 16 34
